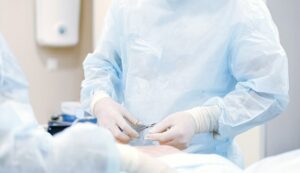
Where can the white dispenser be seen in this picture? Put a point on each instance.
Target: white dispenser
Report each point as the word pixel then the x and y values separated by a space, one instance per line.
pixel 57 22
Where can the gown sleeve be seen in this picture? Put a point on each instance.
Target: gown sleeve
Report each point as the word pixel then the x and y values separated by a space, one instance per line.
pixel 103 67
pixel 260 67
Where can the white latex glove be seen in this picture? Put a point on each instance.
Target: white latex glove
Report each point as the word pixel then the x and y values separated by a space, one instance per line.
pixel 178 129
pixel 133 161
pixel 115 118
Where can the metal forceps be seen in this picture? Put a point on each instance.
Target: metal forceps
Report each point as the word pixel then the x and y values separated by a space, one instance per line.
pixel 141 127
pixel 138 126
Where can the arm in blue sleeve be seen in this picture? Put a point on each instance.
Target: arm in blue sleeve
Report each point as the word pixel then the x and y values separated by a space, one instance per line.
pixel 26 147
pixel 259 65
pixel 103 68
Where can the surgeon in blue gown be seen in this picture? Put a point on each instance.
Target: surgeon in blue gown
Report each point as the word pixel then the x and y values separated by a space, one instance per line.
pixel 25 147
pixel 204 71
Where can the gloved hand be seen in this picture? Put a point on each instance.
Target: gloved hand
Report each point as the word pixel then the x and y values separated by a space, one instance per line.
pixel 178 129
pixel 133 161
pixel 116 119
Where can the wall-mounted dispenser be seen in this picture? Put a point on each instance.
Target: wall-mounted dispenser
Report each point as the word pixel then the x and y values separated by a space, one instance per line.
pixel 57 22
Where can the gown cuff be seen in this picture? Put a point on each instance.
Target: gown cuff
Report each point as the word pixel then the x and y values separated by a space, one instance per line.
pixel 97 96
pixel 206 118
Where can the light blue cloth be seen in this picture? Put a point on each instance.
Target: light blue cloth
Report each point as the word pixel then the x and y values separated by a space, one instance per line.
pixel 286 162
pixel 158 57
pixel 27 148
pixel 190 163
pixel 13 84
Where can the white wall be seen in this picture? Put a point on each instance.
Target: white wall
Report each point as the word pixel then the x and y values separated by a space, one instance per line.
pixel 252 145
pixel 100 9
pixel 47 88
pixel 283 133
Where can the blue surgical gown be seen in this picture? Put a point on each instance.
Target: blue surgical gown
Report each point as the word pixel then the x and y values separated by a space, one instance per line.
pixel 157 57
pixel 27 148
pixel 13 84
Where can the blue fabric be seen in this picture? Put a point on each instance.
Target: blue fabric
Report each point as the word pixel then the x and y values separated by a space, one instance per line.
pixel 289 161
pixel 25 147
pixel 158 57
pixel 212 163
pixel 12 80
pixel 186 163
